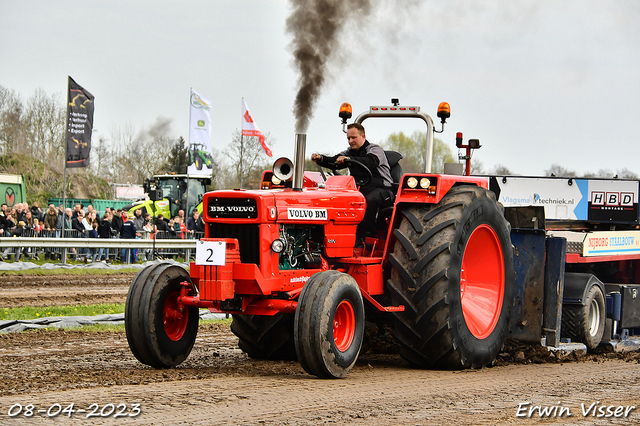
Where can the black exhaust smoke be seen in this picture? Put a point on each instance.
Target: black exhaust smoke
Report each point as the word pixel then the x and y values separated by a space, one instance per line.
pixel 315 26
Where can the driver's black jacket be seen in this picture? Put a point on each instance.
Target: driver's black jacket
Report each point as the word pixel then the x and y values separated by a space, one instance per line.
pixel 372 156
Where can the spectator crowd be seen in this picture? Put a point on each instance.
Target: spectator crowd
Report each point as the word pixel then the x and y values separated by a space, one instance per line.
pixel 21 220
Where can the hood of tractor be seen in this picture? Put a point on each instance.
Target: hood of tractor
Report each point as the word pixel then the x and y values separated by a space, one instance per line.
pixel 339 202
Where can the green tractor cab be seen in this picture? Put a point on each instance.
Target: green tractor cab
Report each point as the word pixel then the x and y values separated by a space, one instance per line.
pixel 178 192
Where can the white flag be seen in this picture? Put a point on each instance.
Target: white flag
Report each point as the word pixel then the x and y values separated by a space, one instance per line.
pixel 199 136
pixel 250 128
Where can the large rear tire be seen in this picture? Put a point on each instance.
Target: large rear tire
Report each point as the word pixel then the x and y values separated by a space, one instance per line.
pixel 329 325
pixel 452 269
pixel 159 335
pixel 265 337
pixel 586 323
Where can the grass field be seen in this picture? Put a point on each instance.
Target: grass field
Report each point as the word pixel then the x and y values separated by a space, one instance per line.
pixel 27 313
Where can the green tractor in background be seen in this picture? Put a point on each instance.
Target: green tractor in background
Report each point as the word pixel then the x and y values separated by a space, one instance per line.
pixel 199 156
pixel 172 193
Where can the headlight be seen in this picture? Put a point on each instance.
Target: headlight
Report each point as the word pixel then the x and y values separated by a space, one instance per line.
pixel 275 180
pixel 424 183
pixel 412 182
pixel 277 245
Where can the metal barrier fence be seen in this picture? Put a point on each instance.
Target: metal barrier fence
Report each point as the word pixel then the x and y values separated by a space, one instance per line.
pixel 78 246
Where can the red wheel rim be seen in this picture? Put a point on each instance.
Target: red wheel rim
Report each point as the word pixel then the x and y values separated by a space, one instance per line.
pixel 175 322
pixel 482 281
pixel 344 325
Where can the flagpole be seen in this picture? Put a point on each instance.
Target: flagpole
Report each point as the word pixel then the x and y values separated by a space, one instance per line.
pixel 64 166
pixel 241 141
pixel 186 207
pixel 189 137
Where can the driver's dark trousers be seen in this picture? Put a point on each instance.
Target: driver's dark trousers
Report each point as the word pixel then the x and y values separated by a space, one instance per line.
pixel 377 198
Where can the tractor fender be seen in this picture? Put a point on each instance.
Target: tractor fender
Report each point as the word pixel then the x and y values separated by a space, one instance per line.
pixel 577 286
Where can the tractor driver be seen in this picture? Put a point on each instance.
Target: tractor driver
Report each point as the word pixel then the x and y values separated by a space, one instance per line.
pixel 377 191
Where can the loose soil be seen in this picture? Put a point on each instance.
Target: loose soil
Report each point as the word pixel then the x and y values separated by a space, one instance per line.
pixel 62 289
pixel 218 384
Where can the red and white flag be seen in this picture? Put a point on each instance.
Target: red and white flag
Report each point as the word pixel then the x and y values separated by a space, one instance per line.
pixel 250 128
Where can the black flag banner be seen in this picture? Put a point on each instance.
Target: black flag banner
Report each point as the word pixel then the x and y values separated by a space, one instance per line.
pixel 79 125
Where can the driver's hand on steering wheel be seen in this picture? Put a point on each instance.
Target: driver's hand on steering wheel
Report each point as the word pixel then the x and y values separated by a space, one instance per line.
pixel 340 160
pixel 316 157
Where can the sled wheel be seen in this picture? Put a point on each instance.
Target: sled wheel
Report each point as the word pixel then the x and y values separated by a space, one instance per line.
pixel 159 334
pixel 585 324
pixel 265 337
pixel 198 162
pixel 329 325
pixel 452 269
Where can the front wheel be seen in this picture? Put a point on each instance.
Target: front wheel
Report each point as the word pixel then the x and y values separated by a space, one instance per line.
pixel 329 325
pixel 160 332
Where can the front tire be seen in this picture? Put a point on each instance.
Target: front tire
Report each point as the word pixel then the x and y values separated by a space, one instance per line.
pixel 159 335
pixel 329 325
pixel 452 269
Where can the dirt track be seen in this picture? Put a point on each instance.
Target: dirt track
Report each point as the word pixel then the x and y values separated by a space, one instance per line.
pixel 55 290
pixel 218 384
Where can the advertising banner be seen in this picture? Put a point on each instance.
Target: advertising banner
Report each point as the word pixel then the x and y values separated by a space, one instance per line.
pixel 593 200
pixel 79 125
pixel 200 161
pixel 607 243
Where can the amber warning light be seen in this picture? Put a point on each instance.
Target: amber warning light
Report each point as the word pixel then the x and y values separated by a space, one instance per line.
pixel 345 112
pixel 444 111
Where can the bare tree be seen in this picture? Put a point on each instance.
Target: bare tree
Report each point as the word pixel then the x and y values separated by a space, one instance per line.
pixel 627 174
pixel 500 170
pixel 609 174
pixel 12 128
pixel 248 161
pixel 560 171
pixel 45 122
pixel 121 138
pixel 143 155
pixel 101 157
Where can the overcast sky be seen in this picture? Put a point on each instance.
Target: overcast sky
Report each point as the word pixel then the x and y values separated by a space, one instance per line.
pixel 538 82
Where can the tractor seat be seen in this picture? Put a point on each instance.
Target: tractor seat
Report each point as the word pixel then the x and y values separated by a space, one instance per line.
pixel 393 158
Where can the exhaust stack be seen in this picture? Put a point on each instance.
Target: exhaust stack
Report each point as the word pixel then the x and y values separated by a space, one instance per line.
pixel 298 171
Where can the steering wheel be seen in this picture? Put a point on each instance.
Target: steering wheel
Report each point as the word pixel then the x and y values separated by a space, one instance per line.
pixel 331 166
pixel 363 181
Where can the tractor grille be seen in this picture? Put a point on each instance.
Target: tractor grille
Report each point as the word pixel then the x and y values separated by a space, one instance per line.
pixel 248 237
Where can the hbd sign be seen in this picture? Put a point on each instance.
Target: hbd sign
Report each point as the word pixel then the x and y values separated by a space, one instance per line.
pixel 612 199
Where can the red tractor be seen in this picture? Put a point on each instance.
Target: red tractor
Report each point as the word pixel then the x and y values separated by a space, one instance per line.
pixel 283 262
